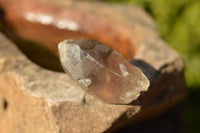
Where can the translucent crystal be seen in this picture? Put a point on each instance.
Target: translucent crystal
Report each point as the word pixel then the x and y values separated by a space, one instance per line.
pixel 103 70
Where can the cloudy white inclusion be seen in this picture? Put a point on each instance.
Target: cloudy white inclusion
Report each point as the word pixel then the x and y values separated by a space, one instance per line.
pixel 48 19
pixel 123 69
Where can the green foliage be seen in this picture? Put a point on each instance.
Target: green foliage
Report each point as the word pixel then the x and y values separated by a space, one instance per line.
pixel 185 37
pixel 179 24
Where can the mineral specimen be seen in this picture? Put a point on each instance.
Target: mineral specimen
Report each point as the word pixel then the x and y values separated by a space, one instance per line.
pixel 104 71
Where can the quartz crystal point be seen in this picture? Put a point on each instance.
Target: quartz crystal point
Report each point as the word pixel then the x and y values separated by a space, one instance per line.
pixel 104 71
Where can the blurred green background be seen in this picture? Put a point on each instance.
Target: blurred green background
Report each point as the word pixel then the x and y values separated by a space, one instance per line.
pixel 178 22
